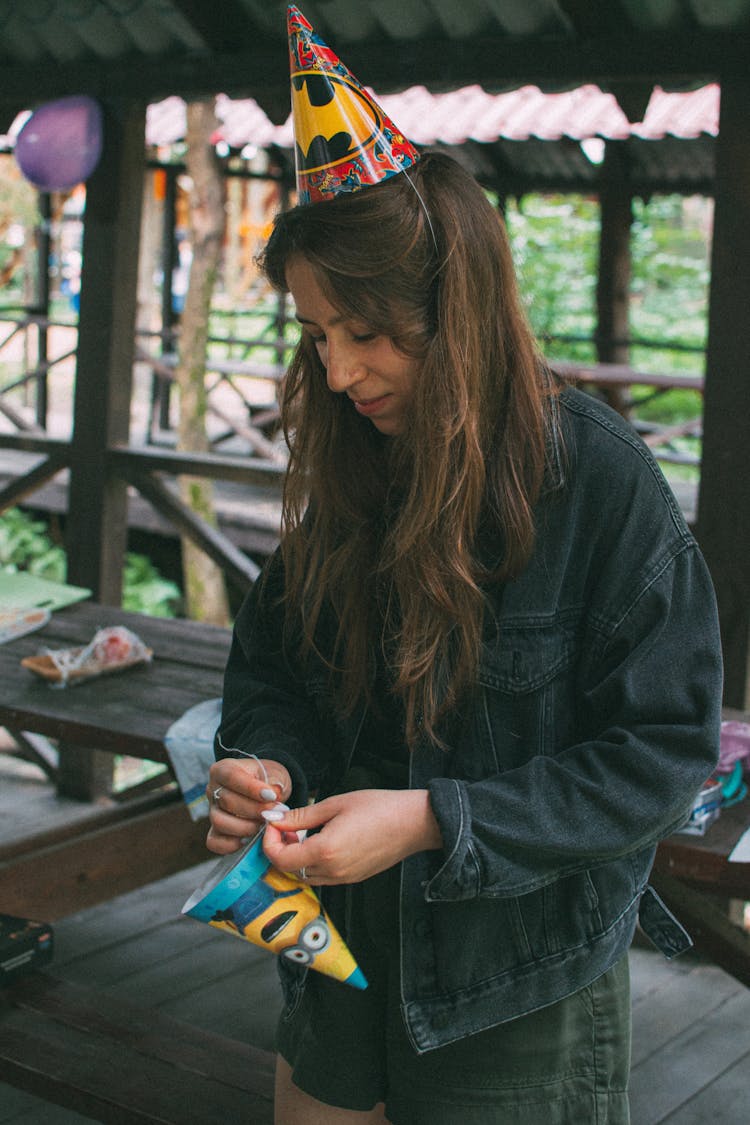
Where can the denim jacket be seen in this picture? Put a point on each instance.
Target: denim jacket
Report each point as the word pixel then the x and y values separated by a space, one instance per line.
pixel 594 724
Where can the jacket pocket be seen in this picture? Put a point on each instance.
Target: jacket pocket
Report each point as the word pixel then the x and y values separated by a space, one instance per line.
pixel 526 693
pixel 476 940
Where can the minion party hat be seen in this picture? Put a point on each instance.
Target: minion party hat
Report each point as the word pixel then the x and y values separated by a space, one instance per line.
pixel 344 140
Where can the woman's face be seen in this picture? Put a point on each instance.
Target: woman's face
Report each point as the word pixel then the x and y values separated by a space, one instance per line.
pixel 377 379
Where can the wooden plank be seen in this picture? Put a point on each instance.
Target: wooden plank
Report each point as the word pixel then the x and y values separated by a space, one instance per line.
pixel 706 919
pixel 97 865
pixel 665 1083
pixel 109 924
pixel 679 992
pixel 133 1025
pixel 242 470
pixel 723 1101
pixel 121 1083
pixel 97 817
pixel 25 1109
pixel 17 489
pixel 703 859
pixel 102 1054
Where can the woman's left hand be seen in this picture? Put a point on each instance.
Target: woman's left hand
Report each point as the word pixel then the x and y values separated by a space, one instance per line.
pixel 359 834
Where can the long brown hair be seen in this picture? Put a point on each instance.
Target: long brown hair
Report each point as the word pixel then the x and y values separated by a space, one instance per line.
pixel 393 533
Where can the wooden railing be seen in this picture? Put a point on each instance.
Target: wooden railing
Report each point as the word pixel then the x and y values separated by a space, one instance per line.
pixel 614 381
pixel 150 470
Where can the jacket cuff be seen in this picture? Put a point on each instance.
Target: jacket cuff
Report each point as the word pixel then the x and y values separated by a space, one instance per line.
pixel 459 876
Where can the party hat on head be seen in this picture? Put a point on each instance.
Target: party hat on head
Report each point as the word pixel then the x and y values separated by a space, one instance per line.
pixel 344 140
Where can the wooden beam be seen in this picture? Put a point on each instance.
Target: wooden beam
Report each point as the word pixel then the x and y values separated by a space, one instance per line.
pixel 238 567
pixel 24 485
pixel 223 34
pixel 705 917
pixel 243 470
pixel 97 519
pixel 497 62
pixel 723 526
pixel 613 278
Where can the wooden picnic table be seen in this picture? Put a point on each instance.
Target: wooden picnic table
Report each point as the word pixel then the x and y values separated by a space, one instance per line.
pixel 696 878
pixel 128 712
pixel 127 841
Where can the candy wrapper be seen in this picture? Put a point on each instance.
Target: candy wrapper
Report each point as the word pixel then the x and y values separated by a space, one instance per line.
pixel 111 650
pixel 250 899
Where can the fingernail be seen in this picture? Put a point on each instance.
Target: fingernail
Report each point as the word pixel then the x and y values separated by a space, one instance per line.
pixel 268 794
pixel 273 814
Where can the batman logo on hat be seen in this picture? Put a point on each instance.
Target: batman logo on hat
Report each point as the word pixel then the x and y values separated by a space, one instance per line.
pixel 344 140
pixel 321 104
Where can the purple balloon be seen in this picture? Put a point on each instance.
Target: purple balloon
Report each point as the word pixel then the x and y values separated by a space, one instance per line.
pixel 61 143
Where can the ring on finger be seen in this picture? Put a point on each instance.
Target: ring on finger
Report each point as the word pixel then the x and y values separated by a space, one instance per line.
pixel 217 794
pixel 303 873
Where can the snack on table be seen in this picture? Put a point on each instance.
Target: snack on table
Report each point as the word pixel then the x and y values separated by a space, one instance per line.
pixel 111 650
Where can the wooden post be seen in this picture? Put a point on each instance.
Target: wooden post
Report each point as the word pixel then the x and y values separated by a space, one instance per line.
pixel 723 526
pixel 613 280
pixel 97 524
pixel 97 507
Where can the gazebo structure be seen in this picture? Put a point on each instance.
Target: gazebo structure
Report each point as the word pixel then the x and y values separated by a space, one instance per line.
pixel 130 55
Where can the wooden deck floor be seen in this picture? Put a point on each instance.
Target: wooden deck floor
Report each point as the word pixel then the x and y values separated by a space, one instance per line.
pixel 691 1041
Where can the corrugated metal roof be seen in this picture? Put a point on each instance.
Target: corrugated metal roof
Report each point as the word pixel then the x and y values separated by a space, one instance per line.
pixel 472 114
pixel 518 141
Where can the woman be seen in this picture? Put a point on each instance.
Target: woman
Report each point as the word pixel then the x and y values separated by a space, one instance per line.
pixel 488 645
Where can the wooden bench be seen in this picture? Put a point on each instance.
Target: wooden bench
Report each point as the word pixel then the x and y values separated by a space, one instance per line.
pixel 694 876
pixel 124 1064
pixel 131 839
pixel 81 1047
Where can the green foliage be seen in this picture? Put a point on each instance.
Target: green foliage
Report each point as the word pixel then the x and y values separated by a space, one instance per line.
pixel 554 239
pixel 670 280
pixel 555 242
pixel 145 590
pixel 25 544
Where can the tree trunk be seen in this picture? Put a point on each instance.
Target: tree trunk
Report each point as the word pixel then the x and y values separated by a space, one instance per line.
pixel 205 590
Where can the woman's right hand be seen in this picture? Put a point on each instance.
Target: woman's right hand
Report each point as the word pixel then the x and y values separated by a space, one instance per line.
pixel 238 791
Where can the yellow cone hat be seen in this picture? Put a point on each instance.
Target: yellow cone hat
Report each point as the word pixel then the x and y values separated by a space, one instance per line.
pixel 344 140
pixel 247 897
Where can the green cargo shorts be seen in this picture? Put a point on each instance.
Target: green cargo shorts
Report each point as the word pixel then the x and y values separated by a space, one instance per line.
pixel 562 1065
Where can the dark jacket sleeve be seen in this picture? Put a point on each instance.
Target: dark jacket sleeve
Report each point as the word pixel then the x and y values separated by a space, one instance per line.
pixel 650 707
pixel 637 715
pixel 266 710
